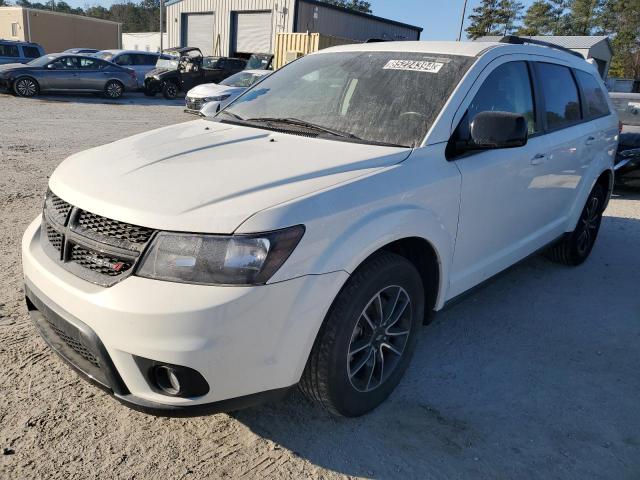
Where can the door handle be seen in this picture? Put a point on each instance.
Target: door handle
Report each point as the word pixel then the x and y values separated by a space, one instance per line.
pixel 538 159
pixel 590 140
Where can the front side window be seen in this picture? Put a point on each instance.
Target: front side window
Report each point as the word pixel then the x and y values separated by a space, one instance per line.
pixel 373 97
pixel 561 100
pixel 30 52
pixel 506 89
pixel 9 51
pixel 595 101
pixel 66 63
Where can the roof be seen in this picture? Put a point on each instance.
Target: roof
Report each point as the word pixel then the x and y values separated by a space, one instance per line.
pixel 39 11
pixel 573 42
pixel 467 49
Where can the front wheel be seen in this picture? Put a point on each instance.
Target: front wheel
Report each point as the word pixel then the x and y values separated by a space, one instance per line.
pixel 169 90
pixel 113 89
pixel 26 87
pixel 574 248
pixel 368 337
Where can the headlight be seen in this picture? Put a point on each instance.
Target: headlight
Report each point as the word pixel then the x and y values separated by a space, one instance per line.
pixel 216 99
pixel 217 259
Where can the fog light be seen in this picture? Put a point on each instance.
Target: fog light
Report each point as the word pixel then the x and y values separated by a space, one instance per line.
pixel 167 379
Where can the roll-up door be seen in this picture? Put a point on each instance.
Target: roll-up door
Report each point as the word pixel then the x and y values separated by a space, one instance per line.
pixel 253 31
pixel 198 31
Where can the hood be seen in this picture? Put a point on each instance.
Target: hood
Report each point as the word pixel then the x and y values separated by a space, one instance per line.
pixel 212 90
pixel 12 66
pixel 204 176
pixel 156 72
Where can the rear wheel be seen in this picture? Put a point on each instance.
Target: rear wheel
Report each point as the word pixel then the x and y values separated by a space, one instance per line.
pixel 575 247
pixel 368 337
pixel 113 89
pixel 26 87
pixel 169 90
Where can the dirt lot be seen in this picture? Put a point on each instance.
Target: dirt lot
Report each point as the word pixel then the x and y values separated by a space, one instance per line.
pixel 534 376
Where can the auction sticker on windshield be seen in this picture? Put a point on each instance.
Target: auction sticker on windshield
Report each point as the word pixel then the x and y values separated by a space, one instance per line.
pixel 414 65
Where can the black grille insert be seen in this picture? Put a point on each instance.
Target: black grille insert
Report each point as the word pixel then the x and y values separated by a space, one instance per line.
pixel 76 345
pixel 95 248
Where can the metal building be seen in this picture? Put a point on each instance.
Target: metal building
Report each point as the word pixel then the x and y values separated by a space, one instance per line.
pixel 242 27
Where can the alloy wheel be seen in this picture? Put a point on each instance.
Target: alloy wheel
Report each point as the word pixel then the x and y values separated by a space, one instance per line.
pixel 589 222
pixel 26 87
pixel 114 90
pixel 379 338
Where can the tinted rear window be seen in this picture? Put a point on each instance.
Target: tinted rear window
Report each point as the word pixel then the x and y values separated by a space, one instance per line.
pixel 9 50
pixel 595 101
pixel 562 103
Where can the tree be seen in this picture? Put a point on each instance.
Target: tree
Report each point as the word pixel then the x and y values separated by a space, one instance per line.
pixel 582 16
pixel 358 5
pixel 509 13
pixel 543 18
pixel 484 20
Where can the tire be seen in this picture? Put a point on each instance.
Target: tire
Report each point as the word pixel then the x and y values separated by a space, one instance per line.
pixel 337 374
pixel 26 87
pixel 169 90
pixel 574 248
pixel 113 89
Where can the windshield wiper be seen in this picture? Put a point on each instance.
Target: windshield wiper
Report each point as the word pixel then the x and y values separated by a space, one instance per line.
pixel 304 124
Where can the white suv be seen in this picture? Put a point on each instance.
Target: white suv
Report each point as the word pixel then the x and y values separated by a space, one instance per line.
pixel 304 234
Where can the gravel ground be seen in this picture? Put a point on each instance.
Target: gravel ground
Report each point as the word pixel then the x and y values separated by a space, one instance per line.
pixel 533 376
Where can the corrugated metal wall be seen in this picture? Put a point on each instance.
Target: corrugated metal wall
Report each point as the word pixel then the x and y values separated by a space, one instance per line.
pixel 282 22
pixel 341 24
pixel 303 43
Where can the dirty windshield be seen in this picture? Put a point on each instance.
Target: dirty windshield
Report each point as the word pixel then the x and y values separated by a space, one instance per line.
pixel 374 97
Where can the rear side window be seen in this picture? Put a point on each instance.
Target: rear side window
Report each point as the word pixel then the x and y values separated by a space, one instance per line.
pixel 30 52
pixel 89 63
pixel 124 60
pixel 594 99
pixel 562 103
pixel 506 89
pixel 9 51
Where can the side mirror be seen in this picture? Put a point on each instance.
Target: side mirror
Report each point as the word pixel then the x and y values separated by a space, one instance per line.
pixel 491 130
pixel 51 66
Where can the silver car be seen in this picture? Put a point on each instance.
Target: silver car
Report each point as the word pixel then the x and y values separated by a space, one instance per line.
pixel 60 72
pixel 139 61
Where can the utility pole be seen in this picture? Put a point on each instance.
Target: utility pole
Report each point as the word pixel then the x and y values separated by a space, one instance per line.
pixel 464 14
pixel 161 22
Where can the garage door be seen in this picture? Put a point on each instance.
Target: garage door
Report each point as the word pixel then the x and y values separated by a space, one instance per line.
pixel 253 32
pixel 198 31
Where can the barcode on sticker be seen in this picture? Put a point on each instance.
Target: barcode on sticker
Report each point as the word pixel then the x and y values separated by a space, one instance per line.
pixel 414 65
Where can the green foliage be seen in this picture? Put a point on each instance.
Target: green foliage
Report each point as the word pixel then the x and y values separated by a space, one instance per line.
pixel 358 5
pixel 494 17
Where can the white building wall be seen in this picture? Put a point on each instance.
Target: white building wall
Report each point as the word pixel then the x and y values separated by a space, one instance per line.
pixel 145 41
pixel 282 17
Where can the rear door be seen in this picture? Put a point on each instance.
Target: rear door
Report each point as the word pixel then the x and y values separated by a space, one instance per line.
pixel 500 217
pixel 90 75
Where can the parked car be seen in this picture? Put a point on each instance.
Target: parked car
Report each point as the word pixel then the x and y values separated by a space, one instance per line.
pixel 18 52
pixel 181 69
pixel 81 51
pixel 207 99
pixel 627 164
pixel 260 61
pixel 139 61
pixel 304 234
pixel 59 72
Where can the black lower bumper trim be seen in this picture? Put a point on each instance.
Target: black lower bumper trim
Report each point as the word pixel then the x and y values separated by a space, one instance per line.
pixel 107 377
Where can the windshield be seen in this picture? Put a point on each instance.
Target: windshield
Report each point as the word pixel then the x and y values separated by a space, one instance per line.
pixel 376 97
pixel 41 61
pixel 103 56
pixel 258 62
pixel 168 63
pixel 210 62
pixel 241 79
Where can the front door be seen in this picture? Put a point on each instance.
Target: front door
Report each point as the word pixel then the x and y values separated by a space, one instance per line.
pixel 501 216
pixel 63 74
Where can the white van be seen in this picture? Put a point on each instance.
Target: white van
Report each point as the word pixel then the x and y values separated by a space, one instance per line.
pixel 304 234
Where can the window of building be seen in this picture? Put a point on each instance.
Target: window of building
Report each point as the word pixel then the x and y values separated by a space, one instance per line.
pixel 14 29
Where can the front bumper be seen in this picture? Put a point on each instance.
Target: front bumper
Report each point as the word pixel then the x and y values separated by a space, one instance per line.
pixel 249 343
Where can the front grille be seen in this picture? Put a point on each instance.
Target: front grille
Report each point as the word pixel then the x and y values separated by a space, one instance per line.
pixel 95 248
pixel 107 227
pixel 55 239
pixel 103 264
pixel 77 346
pixel 194 103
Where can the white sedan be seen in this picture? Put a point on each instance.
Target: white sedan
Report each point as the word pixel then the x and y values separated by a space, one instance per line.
pixel 209 98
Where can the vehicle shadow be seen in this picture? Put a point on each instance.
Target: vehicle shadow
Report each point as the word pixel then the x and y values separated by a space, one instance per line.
pixel 129 98
pixel 531 376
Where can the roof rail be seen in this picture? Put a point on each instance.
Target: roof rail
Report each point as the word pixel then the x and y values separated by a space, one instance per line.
pixel 516 40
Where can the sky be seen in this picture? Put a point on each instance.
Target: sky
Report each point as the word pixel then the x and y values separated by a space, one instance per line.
pixel 439 18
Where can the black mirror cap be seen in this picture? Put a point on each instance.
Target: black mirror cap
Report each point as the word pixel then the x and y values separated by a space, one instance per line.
pixel 498 130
